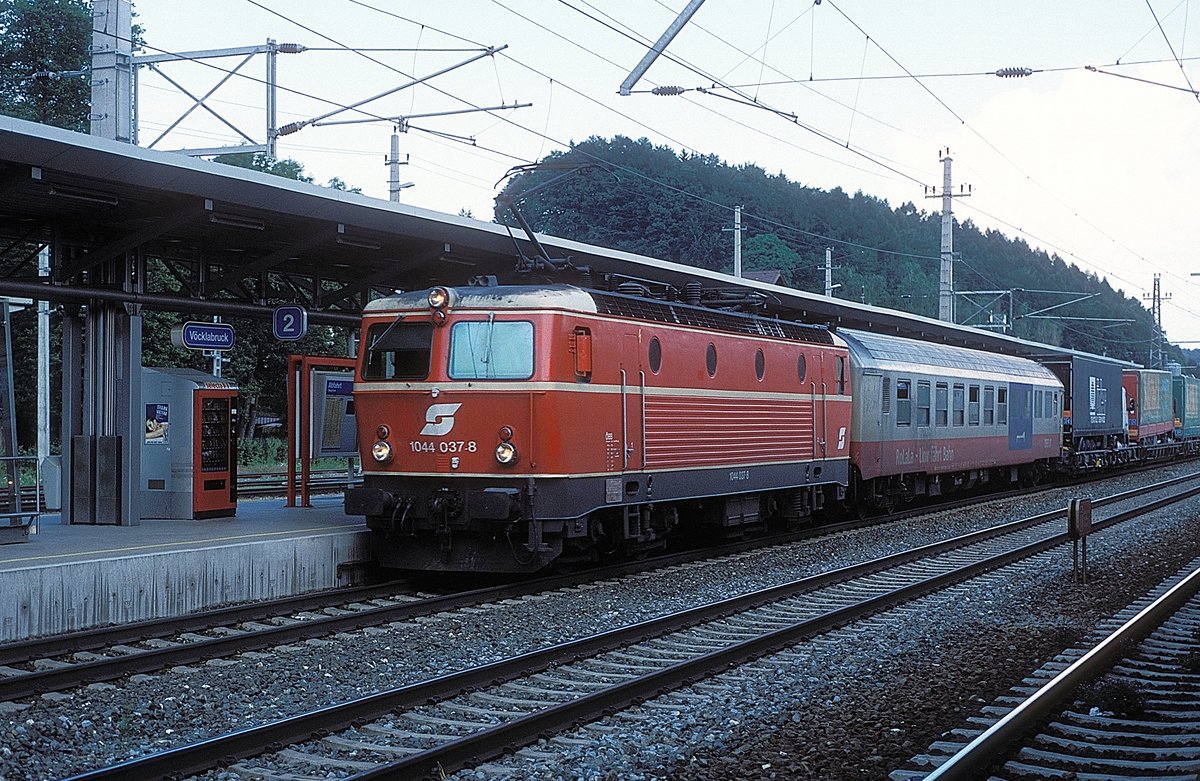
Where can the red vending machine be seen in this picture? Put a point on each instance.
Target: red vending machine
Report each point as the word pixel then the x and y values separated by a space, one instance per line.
pixel 189 459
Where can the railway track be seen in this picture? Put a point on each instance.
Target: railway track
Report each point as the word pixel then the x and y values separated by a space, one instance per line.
pixel 462 718
pixel 66 661
pixel 1098 711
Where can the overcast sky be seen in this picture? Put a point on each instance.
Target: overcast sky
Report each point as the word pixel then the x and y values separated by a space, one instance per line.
pixel 1099 166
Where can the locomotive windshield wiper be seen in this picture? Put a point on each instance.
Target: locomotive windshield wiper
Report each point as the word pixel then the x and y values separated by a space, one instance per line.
pixel 386 331
pixel 487 340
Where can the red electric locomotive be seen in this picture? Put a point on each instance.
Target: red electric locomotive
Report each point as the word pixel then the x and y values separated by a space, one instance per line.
pixel 503 428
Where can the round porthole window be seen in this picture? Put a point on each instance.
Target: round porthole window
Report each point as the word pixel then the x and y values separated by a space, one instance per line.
pixel 655 354
pixel 760 364
pixel 801 367
pixel 711 360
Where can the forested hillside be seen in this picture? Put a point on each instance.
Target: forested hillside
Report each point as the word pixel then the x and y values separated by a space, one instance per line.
pixel 654 201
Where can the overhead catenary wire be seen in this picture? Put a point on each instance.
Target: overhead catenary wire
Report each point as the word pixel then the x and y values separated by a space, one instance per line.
pixel 545 137
pixel 1171 46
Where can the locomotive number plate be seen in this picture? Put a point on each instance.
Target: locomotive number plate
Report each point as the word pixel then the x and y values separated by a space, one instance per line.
pixel 445 446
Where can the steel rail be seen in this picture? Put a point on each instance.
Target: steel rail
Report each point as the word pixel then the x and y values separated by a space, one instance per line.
pixel 24 652
pixel 985 750
pixel 206 754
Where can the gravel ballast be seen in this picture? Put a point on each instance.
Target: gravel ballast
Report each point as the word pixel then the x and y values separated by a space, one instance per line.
pixel 854 708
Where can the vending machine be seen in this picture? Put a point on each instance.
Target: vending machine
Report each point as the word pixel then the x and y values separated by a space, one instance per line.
pixel 189 457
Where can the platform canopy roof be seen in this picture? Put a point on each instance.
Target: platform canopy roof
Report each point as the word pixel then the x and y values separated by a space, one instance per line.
pixel 236 239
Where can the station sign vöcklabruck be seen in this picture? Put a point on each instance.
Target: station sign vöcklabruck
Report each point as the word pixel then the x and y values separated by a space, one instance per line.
pixel 203 336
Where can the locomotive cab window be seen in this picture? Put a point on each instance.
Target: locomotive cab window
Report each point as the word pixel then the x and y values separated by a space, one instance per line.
pixel 491 350
pixel 398 351
pixel 903 403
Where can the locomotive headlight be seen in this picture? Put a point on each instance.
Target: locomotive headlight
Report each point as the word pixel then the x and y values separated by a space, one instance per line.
pixel 439 297
pixel 439 300
pixel 382 432
pixel 381 451
pixel 506 453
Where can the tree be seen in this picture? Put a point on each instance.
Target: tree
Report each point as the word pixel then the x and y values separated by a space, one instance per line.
pixel 40 40
pixel 637 197
pixel 258 362
pixel 768 252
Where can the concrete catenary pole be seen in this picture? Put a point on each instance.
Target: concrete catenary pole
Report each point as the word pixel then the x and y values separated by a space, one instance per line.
pixel 737 241
pixel 112 70
pixel 946 275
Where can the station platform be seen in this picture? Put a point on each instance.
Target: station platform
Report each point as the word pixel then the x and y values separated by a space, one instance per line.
pixel 70 577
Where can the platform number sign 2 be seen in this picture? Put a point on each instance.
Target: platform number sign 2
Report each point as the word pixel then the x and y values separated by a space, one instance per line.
pixel 289 323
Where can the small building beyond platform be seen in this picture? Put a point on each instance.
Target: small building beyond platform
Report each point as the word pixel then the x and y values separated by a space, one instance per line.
pixel 67 578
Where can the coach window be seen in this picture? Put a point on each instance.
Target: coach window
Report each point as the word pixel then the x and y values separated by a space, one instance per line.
pixel 923 403
pixel 903 403
pixel 655 354
pixel 1037 404
pixel 960 396
pixel 942 409
pixel 760 364
pixel 710 359
pixel 801 367
pixel 1002 406
pixel 989 405
pixel 973 405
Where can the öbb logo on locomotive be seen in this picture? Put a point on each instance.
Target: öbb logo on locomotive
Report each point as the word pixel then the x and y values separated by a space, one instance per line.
pixel 439 419
pixel 600 423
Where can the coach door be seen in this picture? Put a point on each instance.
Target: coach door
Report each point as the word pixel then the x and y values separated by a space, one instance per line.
pixel 633 405
pixel 1020 416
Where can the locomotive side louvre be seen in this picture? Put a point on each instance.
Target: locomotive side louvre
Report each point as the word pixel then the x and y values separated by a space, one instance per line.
pixel 609 404
pixel 1150 405
pixel 931 417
